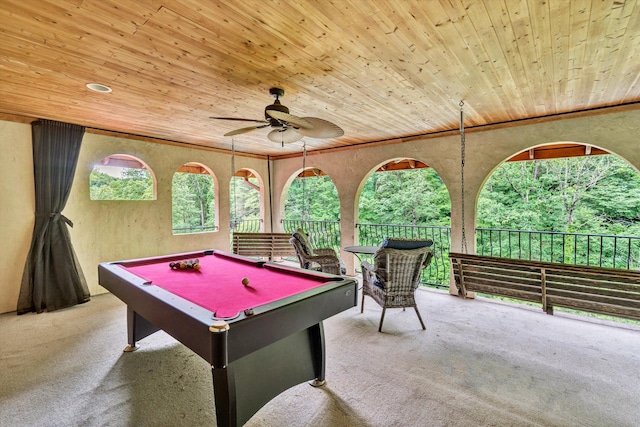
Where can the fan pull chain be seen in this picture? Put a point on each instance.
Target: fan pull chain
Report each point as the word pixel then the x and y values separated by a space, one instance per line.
pixel 462 159
pixel 305 207
pixel 233 182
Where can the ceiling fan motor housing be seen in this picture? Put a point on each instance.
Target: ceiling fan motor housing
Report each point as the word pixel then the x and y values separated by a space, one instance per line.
pixel 276 106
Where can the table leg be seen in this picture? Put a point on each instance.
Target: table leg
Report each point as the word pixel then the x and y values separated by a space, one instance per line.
pixel 319 356
pixel 137 328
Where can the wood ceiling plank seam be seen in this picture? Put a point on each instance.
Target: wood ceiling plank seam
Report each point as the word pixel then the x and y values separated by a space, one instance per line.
pixel 198 71
pixel 185 64
pixel 626 70
pixel 599 18
pixel 513 70
pixel 540 24
pixel 262 27
pixel 137 12
pixel 560 29
pixel 455 33
pixel 578 19
pixel 615 36
pixel 520 19
pixel 60 23
pixel 442 64
pixel 283 23
pixel 416 66
pixel 401 67
pixel 45 63
pixel 120 16
pixel 489 58
pixel 236 59
pixel 49 40
pixel 72 45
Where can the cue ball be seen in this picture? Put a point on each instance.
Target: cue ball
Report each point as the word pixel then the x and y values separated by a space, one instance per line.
pixel 245 281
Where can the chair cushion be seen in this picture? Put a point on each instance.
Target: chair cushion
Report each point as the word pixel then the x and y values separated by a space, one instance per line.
pixel 394 243
pixel 301 237
pixel 379 283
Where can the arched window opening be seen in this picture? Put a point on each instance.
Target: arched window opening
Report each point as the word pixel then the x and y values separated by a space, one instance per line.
pixel 193 200
pixel 312 203
pixel 246 211
pixel 405 198
pixel 577 206
pixel 405 192
pixel 122 177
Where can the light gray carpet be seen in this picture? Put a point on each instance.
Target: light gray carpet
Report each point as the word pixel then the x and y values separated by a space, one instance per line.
pixel 479 363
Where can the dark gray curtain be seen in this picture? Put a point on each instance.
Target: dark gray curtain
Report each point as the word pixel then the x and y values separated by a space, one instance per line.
pixel 52 277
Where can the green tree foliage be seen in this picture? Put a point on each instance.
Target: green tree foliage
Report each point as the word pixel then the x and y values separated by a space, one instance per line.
pixel 598 194
pixel 416 197
pixel 193 202
pixel 133 184
pixel 312 198
pixel 245 199
pixel 413 197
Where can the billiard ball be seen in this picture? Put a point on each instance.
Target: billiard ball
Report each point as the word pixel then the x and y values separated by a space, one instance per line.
pixel 245 281
pixel 196 266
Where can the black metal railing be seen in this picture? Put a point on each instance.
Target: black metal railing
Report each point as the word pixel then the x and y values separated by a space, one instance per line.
pixel 194 229
pixel 602 250
pixel 437 273
pixel 247 225
pixel 323 234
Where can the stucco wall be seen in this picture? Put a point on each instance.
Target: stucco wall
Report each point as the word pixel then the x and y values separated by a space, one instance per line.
pixel 484 151
pixel 106 231
pixel 17 207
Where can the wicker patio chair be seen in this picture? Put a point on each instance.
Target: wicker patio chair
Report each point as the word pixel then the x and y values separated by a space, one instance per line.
pixel 320 259
pixel 394 278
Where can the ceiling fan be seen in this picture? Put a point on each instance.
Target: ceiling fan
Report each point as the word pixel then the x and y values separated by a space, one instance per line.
pixel 287 128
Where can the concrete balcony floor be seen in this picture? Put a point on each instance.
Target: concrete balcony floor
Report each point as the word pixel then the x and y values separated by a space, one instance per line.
pixel 479 363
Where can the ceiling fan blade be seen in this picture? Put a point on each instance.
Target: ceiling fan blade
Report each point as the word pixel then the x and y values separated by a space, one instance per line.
pixel 238 119
pixel 321 129
pixel 285 136
pixel 244 130
pixel 290 118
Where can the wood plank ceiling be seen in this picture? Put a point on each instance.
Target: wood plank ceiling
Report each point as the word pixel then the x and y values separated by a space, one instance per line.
pixel 381 70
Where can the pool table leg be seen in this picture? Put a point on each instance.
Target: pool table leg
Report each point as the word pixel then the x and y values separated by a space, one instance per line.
pixel 137 328
pixel 225 396
pixel 318 349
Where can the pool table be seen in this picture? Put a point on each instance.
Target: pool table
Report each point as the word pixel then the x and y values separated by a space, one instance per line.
pixel 260 338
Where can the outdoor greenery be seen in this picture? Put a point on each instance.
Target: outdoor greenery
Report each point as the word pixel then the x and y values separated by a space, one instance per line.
pixel 245 200
pixel 193 203
pixel 387 198
pixel 132 184
pixel 597 194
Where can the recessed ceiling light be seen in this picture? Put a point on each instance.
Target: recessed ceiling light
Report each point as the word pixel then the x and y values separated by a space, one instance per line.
pixel 97 87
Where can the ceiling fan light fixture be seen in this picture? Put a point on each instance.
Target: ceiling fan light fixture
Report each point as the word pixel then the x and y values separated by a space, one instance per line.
pixel 284 136
pixel 287 128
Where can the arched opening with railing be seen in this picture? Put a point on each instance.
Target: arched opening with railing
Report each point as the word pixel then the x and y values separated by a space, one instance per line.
pixel 311 202
pixel 194 207
pixel 565 202
pixel 405 198
pixel 247 202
